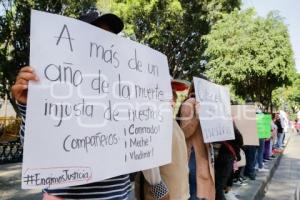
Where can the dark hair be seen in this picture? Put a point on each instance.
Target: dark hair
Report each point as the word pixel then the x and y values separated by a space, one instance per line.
pixel 273 115
pixel 191 94
pixel 174 94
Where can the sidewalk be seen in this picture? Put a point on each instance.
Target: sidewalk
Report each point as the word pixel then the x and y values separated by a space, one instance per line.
pixel 254 190
pixel 283 168
pixel 287 176
pixel 282 185
pixel 10 184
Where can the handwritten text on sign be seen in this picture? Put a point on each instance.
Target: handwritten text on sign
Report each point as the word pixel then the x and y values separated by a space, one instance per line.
pixel 214 111
pixel 101 108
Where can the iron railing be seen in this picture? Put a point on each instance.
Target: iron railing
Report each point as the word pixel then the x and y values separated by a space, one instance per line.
pixel 11 152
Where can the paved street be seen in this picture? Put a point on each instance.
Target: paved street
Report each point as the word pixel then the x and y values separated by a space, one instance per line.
pixel 281 187
pixel 287 175
pixel 10 184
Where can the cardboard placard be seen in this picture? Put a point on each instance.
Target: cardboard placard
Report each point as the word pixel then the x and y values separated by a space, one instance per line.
pixel 214 111
pixel 244 117
pixel 101 108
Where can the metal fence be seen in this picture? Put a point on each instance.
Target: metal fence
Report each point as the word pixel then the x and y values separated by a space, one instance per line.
pixel 11 152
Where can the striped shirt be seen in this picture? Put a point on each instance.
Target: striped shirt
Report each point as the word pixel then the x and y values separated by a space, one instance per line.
pixel 116 188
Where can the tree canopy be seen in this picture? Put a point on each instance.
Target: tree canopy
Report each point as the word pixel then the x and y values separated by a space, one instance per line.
pixel 174 27
pixel 253 54
pixel 288 98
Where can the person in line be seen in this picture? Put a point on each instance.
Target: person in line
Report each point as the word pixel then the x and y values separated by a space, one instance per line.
pixel 201 177
pixel 266 154
pixel 250 153
pixel 260 155
pixel 273 136
pixel 116 188
pixel 225 164
pixel 174 174
pixel 285 125
pixel 278 123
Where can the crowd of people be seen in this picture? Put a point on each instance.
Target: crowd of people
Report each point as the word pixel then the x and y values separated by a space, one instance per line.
pixel 198 170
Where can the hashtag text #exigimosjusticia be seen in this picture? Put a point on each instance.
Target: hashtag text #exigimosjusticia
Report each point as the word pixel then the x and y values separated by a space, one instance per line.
pixel 64 177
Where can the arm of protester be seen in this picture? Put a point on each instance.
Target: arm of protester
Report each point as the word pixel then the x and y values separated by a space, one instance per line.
pixel 166 197
pixel 22 109
pixel 152 176
pixel 46 196
pixel 20 88
pixel 158 187
pixel 189 121
pixel 19 91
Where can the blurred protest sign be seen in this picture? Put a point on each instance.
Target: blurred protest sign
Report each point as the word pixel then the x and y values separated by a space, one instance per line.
pixel 263 122
pixel 214 111
pixel 244 117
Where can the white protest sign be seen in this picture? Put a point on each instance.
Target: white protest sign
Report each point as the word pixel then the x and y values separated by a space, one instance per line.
pixel 214 111
pixel 101 108
pixel 244 117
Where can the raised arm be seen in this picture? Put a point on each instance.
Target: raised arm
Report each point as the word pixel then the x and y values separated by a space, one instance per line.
pixel 19 91
pixel 189 121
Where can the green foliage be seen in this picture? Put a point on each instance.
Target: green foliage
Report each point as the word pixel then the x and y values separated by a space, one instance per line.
pixel 174 27
pixel 252 54
pixel 288 98
pixel 10 132
pixel 15 29
pixel 294 96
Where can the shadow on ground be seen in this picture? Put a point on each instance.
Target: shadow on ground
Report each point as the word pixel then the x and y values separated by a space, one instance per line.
pixel 10 184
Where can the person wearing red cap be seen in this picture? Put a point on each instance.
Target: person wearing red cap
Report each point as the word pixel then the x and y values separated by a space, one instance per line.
pixel 116 188
pixel 201 177
pixel 174 174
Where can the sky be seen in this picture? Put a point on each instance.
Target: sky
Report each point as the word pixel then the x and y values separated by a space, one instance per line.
pixel 290 10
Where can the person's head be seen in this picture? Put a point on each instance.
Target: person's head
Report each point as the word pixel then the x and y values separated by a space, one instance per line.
pixel 277 116
pixel 273 116
pixel 191 93
pixel 106 21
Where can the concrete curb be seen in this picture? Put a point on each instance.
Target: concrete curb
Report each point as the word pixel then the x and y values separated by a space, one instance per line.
pixel 273 169
pixel 265 183
pixel 255 190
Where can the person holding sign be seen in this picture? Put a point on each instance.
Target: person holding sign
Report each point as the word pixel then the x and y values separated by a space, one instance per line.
pixel 175 174
pixel 201 175
pixel 225 164
pixel 116 188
